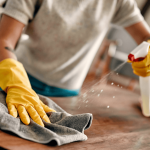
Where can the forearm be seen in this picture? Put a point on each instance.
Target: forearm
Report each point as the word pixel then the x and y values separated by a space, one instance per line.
pixel 139 32
pixel 10 32
pixel 6 51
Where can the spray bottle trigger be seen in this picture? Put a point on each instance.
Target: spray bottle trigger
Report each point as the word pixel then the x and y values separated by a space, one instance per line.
pixel 140 52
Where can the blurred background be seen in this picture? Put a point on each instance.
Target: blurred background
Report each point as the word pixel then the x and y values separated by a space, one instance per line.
pixel 113 52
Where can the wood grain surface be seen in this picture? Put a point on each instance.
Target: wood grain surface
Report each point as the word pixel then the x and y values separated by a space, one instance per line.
pixel 118 123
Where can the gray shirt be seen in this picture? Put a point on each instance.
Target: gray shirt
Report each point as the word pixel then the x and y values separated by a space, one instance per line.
pixel 65 35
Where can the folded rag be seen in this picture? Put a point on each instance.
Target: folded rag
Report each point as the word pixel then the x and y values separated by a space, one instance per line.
pixel 64 128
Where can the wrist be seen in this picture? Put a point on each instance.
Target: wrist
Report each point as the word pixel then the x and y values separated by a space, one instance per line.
pixel 147 39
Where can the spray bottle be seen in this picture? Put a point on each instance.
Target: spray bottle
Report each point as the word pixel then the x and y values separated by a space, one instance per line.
pixel 138 54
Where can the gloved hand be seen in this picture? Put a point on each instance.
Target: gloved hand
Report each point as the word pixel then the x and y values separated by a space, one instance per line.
pixel 20 96
pixel 142 68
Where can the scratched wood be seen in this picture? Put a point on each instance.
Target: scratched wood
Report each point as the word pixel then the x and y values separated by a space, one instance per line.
pixel 121 126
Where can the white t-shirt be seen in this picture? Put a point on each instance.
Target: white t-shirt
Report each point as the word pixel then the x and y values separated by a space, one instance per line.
pixel 65 35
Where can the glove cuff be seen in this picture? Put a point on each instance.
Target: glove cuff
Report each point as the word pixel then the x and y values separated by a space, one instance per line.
pixel 12 74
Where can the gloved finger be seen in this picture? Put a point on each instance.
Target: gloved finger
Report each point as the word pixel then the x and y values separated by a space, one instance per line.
pixel 42 113
pixel 142 71
pixel 23 114
pixel 34 115
pixel 129 61
pixel 143 75
pixel 12 110
pixel 46 108
pixel 140 64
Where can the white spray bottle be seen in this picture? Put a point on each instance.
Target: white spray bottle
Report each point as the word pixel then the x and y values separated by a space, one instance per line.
pixel 138 54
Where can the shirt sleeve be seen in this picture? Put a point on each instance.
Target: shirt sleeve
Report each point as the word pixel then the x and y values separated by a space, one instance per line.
pixel 21 10
pixel 127 13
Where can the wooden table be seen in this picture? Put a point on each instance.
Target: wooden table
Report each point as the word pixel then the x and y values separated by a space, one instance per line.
pixel 118 123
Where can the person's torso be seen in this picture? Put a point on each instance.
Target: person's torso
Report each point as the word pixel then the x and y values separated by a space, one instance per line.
pixel 64 37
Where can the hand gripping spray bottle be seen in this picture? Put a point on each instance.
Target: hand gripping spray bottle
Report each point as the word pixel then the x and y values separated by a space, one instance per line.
pixel 138 54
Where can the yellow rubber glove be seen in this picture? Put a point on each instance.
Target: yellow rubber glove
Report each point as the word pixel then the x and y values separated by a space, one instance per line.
pixel 20 96
pixel 142 68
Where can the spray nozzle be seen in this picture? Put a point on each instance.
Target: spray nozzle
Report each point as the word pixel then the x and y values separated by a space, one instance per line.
pixel 131 58
pixel 140 52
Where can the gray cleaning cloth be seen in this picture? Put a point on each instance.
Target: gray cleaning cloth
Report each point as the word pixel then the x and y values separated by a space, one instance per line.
pixel 64 128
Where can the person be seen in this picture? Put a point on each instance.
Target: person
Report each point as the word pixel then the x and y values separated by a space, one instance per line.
pixel 64 37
